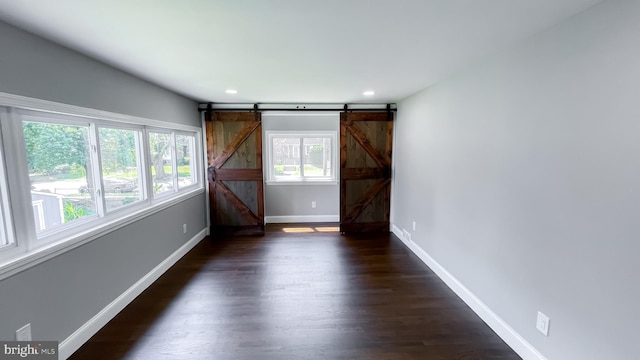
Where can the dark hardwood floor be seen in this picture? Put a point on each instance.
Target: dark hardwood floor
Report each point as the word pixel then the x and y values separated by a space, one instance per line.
pixel 297 295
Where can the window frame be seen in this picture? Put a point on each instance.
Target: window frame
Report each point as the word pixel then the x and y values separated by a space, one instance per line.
pixel 8 244
pixel 140 152
pixel 174 161
pixel 49 235
pixel 270 176
pixel 26 248
pixel 194 166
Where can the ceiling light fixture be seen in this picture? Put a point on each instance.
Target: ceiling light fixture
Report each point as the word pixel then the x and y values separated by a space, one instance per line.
pixel 369 93
pixel 231 91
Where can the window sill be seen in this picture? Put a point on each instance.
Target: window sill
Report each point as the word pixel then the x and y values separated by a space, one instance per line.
pixel 20 263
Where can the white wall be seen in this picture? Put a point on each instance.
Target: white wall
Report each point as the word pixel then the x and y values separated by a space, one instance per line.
pixel 523 175
pixel 292 203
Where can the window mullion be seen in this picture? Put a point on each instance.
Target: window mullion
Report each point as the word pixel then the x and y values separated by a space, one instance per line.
pixel 268 150
pixel 6 237
pixel 96 170
pixel 174 162
pixel 193 161
pixel 142 164
pixel 147 164
pixel 301 157
pixel 328 144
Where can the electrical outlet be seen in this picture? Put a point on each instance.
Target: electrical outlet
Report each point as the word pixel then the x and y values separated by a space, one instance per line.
pixel 406 235
pixel 313 204
pixel 542 323
pixel 184 228
pixel 24 333
pixel 414 226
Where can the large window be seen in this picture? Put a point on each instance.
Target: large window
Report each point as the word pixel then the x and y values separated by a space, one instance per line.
pixel 172 161
pixel 185 152
pixel 120 152
pixel 72 175
pixel 59 165
pixel 162 168
pixel 301 157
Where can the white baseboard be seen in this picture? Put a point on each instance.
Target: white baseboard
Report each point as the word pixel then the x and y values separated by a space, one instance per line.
pixel 504 331
pixel 301 219
pixel 86 331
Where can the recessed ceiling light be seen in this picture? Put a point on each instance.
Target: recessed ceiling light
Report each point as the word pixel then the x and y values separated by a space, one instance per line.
pixel 231 91
pixel 369 93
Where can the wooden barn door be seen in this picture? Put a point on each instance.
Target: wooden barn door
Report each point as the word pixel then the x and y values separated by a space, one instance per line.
pixel 234 153
pixel 365 171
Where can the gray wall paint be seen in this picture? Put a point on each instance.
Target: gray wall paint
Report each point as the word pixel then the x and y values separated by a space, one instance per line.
pixel 60 295
pixel 523 177
pixel 295 200
pixel 34 67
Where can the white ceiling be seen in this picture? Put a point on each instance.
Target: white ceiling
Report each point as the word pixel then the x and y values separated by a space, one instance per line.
pixel 299 51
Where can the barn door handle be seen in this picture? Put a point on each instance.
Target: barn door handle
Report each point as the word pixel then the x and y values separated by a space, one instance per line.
pixel 211 172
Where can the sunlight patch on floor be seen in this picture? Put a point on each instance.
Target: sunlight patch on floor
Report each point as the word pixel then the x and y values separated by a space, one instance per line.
pixel 311 229
pixel 327 229
pixel 298 230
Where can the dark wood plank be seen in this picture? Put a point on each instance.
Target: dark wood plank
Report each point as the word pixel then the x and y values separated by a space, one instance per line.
pixel 237 174
pixel 312 296
pixel 389 145
pixel 366 227
pixel 388 152
pixel 230 230
pixel 387 204
pixel 260 195
pixel 343 141
pixel 242 208
pixel 209 136
pixel 369 116
pixel 343 165
pixel 232 146
pixel 382 160
pixel 213 210
pixel 366 200
pixel 365 173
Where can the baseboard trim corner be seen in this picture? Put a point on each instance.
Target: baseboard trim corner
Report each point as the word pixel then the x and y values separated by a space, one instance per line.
pixel 521 346
pixel 86 331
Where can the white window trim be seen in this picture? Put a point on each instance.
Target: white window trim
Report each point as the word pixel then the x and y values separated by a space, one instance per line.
pixel 25 249
pixel 29 259
pixel 57 233
pixel 269 171
pixel 6 231
pixel 27 103
pixel 194 179
pixel 174 167
pixel 140 149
